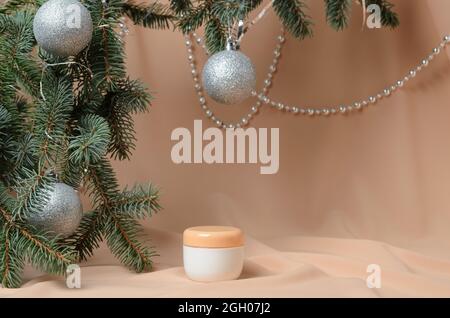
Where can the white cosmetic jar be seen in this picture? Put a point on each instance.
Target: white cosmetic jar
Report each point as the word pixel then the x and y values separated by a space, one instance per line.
pixel 213 253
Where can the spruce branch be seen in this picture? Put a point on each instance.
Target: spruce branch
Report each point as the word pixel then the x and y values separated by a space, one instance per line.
pixel 338 12
pixel 17 41
pixel 102 184
pixel 114 214
pixel 91 144
pixel 23 158
pixel 51 116
pixel 122 130
pixel 23 243
pixel 127 98
pixel 11 263
pixel 12 6
pixel 196 16
pixel 67 119
pixel 88 235
pixel 32 192
pixel 102 187
pixel 43 253
pixel 121 234
pixel 7 84
pixel 5 120
pixel 229 11
pixel 216 36
pixel 217 17
pixel 6 141
pixel 294 18
pixel 388 16
pixel 155 15
pixel 180 6
pixel 105 53
pixel 138 202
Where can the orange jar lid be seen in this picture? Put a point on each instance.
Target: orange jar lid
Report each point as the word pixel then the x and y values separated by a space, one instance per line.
pixel 213 236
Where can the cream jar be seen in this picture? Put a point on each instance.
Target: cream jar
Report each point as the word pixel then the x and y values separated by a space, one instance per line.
pixel 213 253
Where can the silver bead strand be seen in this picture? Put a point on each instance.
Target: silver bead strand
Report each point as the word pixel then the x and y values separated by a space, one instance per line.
pixel 360 105
pixel 263 98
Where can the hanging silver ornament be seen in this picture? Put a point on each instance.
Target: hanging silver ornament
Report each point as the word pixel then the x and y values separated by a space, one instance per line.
pixel 62 214
pixel 63 27
pixel 229 76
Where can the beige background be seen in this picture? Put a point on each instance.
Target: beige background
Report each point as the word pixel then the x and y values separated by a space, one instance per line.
pixel 351 191
pixel 382 174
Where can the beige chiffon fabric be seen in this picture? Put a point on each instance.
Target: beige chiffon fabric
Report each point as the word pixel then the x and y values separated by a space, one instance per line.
pixel 370 188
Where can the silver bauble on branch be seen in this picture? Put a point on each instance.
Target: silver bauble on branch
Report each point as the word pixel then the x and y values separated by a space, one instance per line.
pixel 62 214
pixel 229 77
pixel 63 27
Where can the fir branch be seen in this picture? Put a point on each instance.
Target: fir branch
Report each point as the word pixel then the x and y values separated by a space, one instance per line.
pixel 17 29
pixel 123 134
pixel 293 17
pixel 7 83
pixel 11 263
pixel 5 120
pixel 121 234
pixel 119 104
pixel 23 158
pixel 228 11
pixel 180 6
pixel 17 41
pixel 216 36
pixel 121 231
pixel 105 53
pixel 155 15
pixel 217 16
pixel 43 253
pixel 71 173
pixel 27 74
pixel 102 185
pixel 65 127
pixel 195 17
pixel 139 202
pixel 6 141
pixel 338 12
pixel 32 192
pixel 88 235
pixel 51 117
pixel 132 96
pixel 26 245
pixel 388 17
pixel 91 144
pixel 12 6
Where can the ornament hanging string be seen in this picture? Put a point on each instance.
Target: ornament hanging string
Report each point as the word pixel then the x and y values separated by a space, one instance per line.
pixel 52 168
pixel 260 15
pixel 52 162
pixel 46 65
pixel 363 4
pixel 231 29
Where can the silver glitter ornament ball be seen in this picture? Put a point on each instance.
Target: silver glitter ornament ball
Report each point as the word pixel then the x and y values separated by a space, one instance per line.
pixel 62 214
pixel 229 77
pixel 63 27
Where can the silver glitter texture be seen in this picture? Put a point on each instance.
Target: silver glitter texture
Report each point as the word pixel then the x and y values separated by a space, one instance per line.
pixel 62 214
pixel 63 27
pixel 229 77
